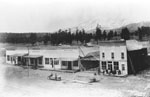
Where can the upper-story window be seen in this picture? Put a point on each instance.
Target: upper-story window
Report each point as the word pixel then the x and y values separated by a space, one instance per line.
pixel 112 55
pixel 122 55
pixel 103 55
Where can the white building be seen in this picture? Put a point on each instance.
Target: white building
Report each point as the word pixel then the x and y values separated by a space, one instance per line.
pixel 15 56
pixel 113 58
pixel 48 59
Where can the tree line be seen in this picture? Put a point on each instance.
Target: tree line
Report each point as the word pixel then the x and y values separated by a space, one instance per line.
pixel 68 37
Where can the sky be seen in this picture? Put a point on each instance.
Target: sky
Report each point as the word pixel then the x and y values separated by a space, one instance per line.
pixel 52 15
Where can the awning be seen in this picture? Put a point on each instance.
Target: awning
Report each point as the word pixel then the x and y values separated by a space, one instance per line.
pixel 18 55
pixel 33 56
pixel 69 59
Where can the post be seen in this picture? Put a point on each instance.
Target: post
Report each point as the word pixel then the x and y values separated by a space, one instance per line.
pixel 99 62
pixel 28 67
pixel 28 60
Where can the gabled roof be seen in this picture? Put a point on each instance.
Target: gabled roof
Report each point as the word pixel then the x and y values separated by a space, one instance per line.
pixel 91 56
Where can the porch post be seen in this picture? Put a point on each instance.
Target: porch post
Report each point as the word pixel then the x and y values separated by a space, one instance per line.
pixel 72 65
pixel 36 64
pixel 28 65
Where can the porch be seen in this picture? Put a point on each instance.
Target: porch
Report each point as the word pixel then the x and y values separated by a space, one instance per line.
pixel 16 59
pixel 35 61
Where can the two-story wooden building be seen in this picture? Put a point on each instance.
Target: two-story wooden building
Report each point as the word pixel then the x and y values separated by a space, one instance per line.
pixel 113 58
pixel 118 59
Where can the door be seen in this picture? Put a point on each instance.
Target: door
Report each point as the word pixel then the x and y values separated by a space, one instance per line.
pixel 109 65
pixel 36 63
pixel 69 65
pixel 51 63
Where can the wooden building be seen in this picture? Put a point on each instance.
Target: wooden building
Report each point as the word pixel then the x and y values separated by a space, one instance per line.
pixel 113 58
pixel 47 59
pixel 118 58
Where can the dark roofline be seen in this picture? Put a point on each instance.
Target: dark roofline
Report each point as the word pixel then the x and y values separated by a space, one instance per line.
pixel 112 43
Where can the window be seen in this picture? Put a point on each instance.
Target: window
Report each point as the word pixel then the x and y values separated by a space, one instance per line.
pixel 11 59
pixel 56 61
pixel 64 63
pixel 116 65
pixel 110 65
pixel 46 60
pixel 51 61
pixel 75 63
pixel 19 58
pixel 112 55
pixel 103 55
pixel 122 55
pixel 103 65
pixel 123 66
pixel 8 58
pixel 40 60
pixel 32 61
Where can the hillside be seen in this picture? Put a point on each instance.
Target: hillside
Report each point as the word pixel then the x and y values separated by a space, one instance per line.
pixel 132 27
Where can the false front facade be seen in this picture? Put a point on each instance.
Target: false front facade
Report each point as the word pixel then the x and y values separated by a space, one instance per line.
pixel 113 59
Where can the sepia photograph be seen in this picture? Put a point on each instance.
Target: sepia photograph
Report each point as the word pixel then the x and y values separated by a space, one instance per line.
pixel 74 48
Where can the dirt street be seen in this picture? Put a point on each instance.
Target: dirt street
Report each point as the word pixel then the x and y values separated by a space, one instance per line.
pixel 17 83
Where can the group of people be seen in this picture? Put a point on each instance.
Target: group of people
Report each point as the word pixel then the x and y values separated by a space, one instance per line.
pixel 113 72
pixel 109 72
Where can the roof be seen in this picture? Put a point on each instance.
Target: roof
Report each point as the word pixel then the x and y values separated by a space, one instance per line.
pixel 33 56
pixel 136 45
pixel 69 59
pixel 91 56
pixel 19 55
pixel 40 47
pixel 112 43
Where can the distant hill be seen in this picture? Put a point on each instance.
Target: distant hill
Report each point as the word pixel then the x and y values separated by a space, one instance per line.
pixel 133 26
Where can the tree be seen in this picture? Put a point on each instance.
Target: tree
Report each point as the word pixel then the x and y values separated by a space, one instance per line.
pixel 98 34
pixel 46 39
pixel 33 38
pixel 110 35
pixel 77 35
pixel 140 33
pixel 104 35
pixel 115 34
pixel 69 37
pixel 125 34
pixel 84 36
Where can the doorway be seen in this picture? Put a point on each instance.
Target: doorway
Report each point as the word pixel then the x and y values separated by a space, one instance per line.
pixel 69 65
pixel 109 65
